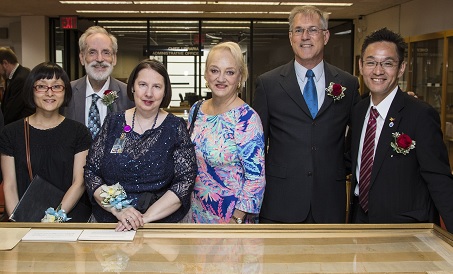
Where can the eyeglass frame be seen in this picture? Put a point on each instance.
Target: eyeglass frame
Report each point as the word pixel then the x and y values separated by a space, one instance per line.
pixel 313 29
pixel 35 87
pixel 92 53
pixel 394 64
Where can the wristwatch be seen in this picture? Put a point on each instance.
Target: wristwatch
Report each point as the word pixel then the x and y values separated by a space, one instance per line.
pixel 237 219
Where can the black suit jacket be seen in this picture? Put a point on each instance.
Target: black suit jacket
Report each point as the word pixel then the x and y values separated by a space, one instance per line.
pixel 13 105
pixel 76 107
pixel 305 166
pixel 407 188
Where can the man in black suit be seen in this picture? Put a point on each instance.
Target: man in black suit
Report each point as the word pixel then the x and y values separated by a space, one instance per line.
pixel 409 178
pixel 98 50
pixel 13 104
pixel 305 167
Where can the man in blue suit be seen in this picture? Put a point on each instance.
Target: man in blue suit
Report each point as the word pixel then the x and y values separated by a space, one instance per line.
pixel 98 50
pixel 409 179
pixel 305 167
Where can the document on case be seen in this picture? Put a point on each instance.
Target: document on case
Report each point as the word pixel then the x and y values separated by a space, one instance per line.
pixel 10 237
pixel 52 235
pixel 106 235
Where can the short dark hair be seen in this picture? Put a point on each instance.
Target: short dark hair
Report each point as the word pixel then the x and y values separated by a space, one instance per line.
pixel 8 55
pixel 46 70
pixel 386 35
pixel 157 67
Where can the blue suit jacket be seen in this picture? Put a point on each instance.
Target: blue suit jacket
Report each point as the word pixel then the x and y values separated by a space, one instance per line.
pixel 76 107
pixel 305 167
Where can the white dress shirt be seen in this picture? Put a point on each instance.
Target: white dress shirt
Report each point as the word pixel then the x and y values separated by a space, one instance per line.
pixel 102 108
pixel 383 108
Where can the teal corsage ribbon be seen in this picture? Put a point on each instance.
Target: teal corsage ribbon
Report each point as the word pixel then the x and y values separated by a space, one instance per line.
pixel 114 196
pixel 55 215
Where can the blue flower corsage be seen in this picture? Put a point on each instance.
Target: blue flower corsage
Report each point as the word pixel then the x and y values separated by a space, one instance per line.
pixel 55 215
pixel 114 196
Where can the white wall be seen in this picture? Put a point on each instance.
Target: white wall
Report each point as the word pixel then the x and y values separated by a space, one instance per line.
pixel 14 39
pixel 35 40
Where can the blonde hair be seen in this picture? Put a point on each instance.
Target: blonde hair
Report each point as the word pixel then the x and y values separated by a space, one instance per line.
pixel 237 56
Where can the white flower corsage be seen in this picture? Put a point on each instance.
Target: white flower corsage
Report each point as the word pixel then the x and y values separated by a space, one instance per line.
pixel 402 143
pixel 114 196
pixel 55 215
pixel 109 97
pixel 336 91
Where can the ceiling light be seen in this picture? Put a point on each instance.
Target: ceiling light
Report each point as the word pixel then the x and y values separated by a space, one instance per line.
pixel 107 11
pixel 169 2
pixel 97 2
pixel 316 4
pixel 168 11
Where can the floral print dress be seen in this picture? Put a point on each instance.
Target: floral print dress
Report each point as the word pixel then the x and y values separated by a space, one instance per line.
pixel 230 155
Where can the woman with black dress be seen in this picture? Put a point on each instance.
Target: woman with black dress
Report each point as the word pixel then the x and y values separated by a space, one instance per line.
pixel 58 146
pixel 141 167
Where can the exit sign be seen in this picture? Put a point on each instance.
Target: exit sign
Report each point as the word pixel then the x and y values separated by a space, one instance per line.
pixel 68 22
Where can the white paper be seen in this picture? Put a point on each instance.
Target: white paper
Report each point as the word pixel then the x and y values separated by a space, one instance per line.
pixel 106 235
pixel 52 235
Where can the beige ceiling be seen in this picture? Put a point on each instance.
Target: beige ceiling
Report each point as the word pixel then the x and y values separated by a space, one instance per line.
pixel 53 8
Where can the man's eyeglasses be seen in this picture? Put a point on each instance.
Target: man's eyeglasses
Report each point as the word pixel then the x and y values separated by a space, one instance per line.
pixel 104 53
pixel 44 88
pixel 312 31
pixel 388 64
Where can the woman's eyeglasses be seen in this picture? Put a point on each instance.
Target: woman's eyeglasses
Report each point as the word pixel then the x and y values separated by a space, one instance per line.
pixel 44 88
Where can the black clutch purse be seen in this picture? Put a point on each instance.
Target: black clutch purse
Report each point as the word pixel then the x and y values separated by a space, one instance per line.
pixel 38 197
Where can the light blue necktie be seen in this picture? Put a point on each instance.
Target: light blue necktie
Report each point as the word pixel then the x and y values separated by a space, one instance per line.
pixel 310 94
pixel 94 119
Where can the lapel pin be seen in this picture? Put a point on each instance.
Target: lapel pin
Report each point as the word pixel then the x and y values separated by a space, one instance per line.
pixel 391 124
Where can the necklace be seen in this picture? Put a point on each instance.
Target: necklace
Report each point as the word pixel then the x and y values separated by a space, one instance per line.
pixel 133 120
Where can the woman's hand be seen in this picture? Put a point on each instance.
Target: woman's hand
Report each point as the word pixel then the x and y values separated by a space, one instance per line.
pixel 128 218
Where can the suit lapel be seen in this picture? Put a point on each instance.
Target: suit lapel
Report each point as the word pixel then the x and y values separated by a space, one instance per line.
pixel 291 87
pixel 390 126
pixel 115 87
pixel 329 76
pixel 357 126
pixel 80 99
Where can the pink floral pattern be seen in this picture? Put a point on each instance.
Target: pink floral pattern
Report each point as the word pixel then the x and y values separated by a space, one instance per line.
pixel 230 155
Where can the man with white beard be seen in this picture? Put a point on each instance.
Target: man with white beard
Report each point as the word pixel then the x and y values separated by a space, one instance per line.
pixel 97 94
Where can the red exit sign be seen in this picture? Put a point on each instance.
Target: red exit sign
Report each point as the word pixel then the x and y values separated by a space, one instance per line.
pixel 68 22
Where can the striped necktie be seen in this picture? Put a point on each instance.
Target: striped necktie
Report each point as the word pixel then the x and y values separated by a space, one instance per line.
pixel 366 164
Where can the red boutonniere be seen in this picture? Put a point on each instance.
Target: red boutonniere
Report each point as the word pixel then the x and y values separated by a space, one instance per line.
pixel 109 97
pixel 402 143
pixel 336 91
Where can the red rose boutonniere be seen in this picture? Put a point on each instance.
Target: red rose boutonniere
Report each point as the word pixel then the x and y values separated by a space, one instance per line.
pixel 402 143
pixel 336 91
pixel 109 97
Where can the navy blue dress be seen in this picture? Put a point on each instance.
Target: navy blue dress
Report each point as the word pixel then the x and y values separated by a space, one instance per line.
pixel 160 159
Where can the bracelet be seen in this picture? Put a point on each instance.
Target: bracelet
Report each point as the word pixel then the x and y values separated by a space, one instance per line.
pixel 55 216
pixel 114 196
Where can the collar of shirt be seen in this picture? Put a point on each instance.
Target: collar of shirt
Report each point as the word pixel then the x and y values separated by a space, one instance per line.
pixel 89 90
pixel 12 72
pixel 384 106
pixel 301 71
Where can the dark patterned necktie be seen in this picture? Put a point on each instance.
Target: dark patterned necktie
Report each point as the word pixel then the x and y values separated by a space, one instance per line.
pixel 310 94
pixel 94 119
pixel 366 164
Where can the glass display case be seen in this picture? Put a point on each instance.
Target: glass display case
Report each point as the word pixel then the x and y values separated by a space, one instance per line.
pixel 429 75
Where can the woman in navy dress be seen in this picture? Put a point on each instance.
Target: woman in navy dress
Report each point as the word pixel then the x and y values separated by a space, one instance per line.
pixel 147 151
